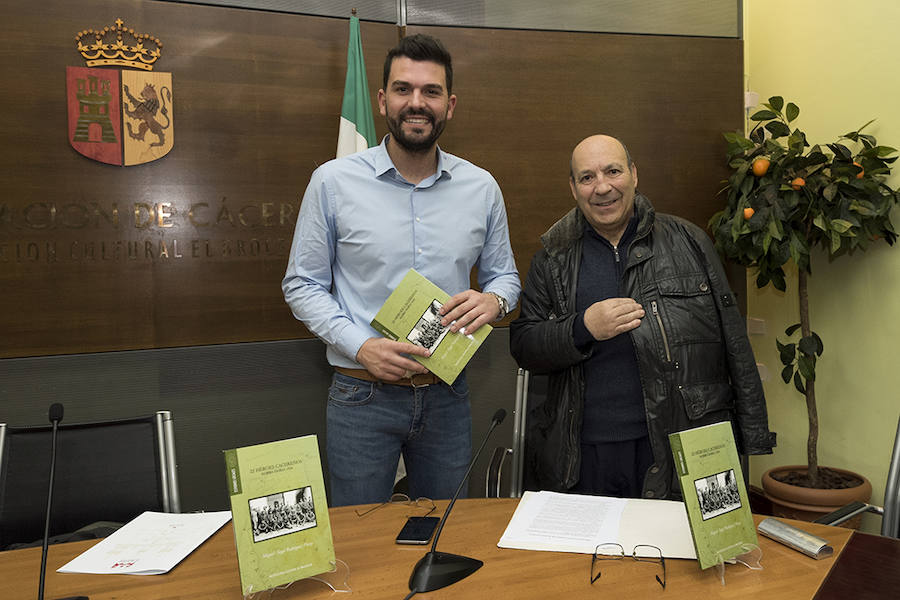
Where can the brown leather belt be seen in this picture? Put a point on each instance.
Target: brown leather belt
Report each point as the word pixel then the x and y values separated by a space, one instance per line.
pixel 415 380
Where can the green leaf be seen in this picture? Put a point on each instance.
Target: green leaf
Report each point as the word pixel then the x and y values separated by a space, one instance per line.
pixel 778 280
pixel 830 192
pixel 787 372
pixel 787 353
pixel 763 115
pixel 820 347
pixel 841 150
pixel 806 364
pixel 819 222
pixel 792 111
pixel 798 383
pixel 863 208
pixel 808 345
pixel 835 242
pixel 778 129
pixel 841 225
pixel 790 330
pixel 776 102
pixel 866 125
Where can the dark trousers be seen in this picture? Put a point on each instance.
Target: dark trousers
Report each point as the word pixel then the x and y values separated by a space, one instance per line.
pixel 614 468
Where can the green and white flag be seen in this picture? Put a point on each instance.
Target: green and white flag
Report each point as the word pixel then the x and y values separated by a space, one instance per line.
pixel 357 130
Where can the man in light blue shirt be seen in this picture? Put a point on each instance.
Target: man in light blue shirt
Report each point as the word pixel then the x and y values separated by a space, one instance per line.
pixel 365 220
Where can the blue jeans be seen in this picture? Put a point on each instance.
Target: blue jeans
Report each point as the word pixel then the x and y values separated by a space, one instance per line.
pixel 370 424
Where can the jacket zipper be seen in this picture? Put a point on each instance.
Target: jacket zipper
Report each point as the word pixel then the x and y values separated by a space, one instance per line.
pixel 654 308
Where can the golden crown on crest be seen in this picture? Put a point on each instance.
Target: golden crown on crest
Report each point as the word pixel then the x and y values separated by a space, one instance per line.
pixel 119 45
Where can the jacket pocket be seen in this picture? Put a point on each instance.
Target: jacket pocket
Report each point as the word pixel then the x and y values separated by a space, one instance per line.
pixel 690 309
pixel 706 400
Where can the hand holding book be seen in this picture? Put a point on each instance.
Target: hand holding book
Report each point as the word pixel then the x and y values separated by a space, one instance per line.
pixel 467 311
pixel 389 360
pixel 414 313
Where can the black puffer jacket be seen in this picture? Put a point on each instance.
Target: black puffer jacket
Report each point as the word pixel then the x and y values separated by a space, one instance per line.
pixel 695 361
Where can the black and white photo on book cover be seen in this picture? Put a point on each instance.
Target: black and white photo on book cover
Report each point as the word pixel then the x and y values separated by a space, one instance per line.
pixel 282 513
pixel 717 494
pixel 428 331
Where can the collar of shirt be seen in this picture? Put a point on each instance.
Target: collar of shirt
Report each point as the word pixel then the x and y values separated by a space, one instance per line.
pixel 385 166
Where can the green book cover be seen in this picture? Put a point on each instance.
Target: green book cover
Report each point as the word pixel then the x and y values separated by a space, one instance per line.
pixel 280 512
pixel 410 314
pixel 709 470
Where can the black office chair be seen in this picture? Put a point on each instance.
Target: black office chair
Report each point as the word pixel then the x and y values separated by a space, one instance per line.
pixel 890 512
pixel 107 471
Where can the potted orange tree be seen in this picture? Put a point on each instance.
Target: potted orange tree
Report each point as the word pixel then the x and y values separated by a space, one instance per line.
pixel 786 197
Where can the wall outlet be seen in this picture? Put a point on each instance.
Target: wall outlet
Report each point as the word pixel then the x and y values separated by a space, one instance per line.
pixel 756 326
pixel 751 100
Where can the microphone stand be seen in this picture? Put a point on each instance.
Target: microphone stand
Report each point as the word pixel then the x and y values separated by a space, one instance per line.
pixel 440 569
pixel 56 415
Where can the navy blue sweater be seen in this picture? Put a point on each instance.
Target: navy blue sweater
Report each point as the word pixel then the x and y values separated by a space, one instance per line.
pixel 613 397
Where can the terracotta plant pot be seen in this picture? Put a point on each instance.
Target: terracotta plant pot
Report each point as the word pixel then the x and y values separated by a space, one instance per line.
pixel 807 504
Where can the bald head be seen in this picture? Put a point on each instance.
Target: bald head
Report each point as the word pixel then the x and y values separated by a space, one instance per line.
pixel 588 142
pixel 603 180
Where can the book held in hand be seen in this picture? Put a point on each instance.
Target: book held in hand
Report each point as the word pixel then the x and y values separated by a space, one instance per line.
pixel 280 512
pixel 709 471
pixel 410 314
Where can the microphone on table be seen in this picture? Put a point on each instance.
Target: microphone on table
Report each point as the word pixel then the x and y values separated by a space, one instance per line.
pixel 439 569
pixel 55 414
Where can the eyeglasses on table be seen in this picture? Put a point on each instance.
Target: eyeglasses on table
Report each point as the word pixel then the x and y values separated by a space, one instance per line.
pixel 640 553
pixel 401 499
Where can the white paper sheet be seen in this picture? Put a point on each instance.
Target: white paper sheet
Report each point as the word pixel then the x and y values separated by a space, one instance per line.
pixel 574 523
pixel 151 544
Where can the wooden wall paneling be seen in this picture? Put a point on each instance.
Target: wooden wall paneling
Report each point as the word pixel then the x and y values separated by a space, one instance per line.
pixel 256 103
pixel 527 97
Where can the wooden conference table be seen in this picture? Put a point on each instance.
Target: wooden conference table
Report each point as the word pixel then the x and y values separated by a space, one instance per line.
pixel 379 568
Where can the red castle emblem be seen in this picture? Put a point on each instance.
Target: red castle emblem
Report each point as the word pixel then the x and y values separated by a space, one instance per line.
pixel 103 103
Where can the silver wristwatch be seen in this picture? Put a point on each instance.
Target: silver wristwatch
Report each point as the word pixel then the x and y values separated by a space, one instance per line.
pixel 504 305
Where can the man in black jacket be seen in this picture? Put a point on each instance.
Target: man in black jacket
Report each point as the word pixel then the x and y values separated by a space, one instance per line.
pixel 630 314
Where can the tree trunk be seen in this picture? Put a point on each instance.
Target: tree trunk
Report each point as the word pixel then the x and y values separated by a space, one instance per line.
pixel 812 459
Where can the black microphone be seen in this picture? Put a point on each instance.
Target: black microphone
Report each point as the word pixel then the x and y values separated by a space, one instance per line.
pixel 55 414
pixel 439 569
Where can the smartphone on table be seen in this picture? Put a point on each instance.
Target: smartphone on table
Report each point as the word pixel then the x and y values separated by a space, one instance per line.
pixel 417 530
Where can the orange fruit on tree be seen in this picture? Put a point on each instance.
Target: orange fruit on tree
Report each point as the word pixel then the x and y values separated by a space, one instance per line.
pixel 760 166
pixel 798 183
pixel 748 212
pixel 861 170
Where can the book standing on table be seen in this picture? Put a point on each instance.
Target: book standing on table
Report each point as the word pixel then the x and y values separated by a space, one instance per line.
pixel 280 512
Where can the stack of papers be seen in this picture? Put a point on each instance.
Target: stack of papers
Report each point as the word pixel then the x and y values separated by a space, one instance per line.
pixel 151 544
pixel 575 523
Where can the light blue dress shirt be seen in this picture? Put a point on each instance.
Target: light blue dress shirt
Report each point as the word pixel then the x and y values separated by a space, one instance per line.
pixel 362 226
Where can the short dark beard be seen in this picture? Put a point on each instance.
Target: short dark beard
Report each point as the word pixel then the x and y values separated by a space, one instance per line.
pixel 395 126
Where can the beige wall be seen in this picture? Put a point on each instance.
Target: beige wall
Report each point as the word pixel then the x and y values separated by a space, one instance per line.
pixel 836 60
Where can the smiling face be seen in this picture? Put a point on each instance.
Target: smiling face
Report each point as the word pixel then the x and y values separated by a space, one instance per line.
pixel 603 185
pixel 416 103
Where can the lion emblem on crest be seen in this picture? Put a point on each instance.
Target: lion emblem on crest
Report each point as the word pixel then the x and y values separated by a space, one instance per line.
pixel 144 110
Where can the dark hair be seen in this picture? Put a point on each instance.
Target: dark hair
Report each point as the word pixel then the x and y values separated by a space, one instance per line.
pixel 420 47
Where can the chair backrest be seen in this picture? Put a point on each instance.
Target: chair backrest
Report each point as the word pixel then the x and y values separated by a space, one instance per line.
pixel 890 523
pixel 105 471
pixel 530 392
